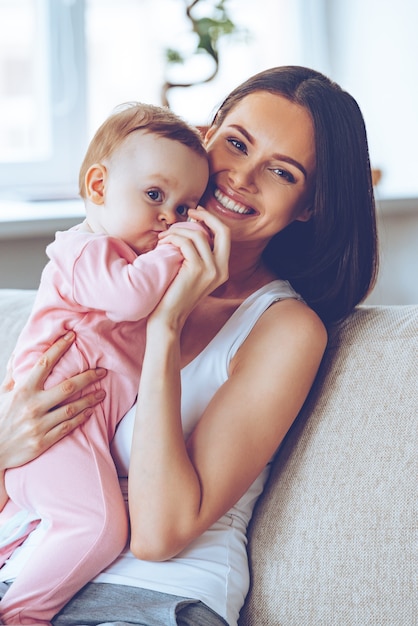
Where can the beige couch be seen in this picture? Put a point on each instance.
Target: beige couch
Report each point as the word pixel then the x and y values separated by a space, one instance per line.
pixel 334 540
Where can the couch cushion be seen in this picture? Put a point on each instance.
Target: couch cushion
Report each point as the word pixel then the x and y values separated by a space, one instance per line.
pixel 334 539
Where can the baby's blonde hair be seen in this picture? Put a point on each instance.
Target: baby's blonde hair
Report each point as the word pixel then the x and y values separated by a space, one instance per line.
pixel 133 116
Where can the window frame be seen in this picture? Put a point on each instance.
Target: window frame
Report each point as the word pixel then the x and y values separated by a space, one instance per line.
pixel 56 175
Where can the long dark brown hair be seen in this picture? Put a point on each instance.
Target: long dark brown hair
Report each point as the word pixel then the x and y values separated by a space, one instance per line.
pixel 332 259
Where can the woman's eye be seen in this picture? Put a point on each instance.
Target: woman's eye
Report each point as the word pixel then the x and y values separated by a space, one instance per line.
pixel 182 210
pixel 284 174
pixel 239 145
pixel 155 194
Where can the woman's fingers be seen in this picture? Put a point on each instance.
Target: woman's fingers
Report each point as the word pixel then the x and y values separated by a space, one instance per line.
pixel 198 274
pixel 56 396
pixel 221 236
pixel 64 419
pixel 34 418
pixel 59 395
pixel 215 255
pixel 8 383
pixel 45 364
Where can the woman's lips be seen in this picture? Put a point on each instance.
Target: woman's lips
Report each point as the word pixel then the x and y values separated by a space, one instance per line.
pixel 228 205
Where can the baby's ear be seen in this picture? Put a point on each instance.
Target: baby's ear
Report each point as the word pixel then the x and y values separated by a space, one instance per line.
pixel 95 183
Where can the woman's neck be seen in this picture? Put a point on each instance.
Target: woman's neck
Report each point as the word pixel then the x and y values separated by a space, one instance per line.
pixel 247 273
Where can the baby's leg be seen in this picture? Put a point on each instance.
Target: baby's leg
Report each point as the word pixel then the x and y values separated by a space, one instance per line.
pixel 78 492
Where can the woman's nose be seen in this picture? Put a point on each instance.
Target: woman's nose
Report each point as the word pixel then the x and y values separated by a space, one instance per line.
pixel 243 177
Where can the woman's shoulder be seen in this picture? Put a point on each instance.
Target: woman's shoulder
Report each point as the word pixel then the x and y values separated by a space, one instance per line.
pixel 278 306
pixel 293 316
pixel 287 329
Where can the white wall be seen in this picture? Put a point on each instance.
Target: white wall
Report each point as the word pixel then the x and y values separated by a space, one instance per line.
pixel 373 47
pixel 398 281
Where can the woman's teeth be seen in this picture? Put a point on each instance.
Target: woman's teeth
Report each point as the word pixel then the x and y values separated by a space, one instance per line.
pixel 229 204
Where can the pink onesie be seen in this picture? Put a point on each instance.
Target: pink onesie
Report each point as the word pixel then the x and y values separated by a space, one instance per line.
pixel 98 287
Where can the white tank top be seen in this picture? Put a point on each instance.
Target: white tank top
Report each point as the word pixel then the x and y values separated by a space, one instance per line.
pixel 214 567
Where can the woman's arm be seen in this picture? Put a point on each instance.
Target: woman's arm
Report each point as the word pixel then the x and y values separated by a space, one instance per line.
pixel 33 419
pixel 178 490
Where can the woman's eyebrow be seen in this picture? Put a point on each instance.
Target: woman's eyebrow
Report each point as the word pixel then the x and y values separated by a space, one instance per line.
pixel 288 159
pixel 243 132
pixel 279 157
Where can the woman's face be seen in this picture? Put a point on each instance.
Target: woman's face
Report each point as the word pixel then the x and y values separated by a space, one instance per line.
pixel 262 162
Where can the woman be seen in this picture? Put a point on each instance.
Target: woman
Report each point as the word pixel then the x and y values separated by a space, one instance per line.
pixel 232 350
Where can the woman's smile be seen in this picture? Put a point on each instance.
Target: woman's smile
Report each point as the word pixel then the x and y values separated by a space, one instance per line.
pixel 230 204
pixel 227 204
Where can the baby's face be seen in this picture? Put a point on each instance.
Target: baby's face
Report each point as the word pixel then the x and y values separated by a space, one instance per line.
pixel 151 182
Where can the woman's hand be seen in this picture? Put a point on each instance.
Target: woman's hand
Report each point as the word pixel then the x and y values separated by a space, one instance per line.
pixel 33 419
pixel 204 268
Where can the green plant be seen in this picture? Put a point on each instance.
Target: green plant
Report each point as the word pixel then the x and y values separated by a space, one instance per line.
pixel 209 30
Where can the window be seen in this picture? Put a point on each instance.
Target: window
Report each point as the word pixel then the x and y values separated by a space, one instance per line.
pixel 24 115
pixel 127 39
pixel 42 116
pixel 65 64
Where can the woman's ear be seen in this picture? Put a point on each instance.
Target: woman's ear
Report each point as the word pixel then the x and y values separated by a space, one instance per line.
pixel 305 215
pixel 210 132
pixel 95 183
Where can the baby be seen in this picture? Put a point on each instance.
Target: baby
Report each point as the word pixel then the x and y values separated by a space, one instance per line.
pixel 143 170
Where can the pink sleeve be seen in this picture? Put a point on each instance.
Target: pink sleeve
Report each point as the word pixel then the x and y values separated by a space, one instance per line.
pixel 126 289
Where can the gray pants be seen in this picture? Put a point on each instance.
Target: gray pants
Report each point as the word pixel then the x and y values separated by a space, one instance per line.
pixel 104 604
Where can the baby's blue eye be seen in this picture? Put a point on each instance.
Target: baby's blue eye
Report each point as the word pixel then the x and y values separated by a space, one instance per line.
pixel 155 195
pixel 182 210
